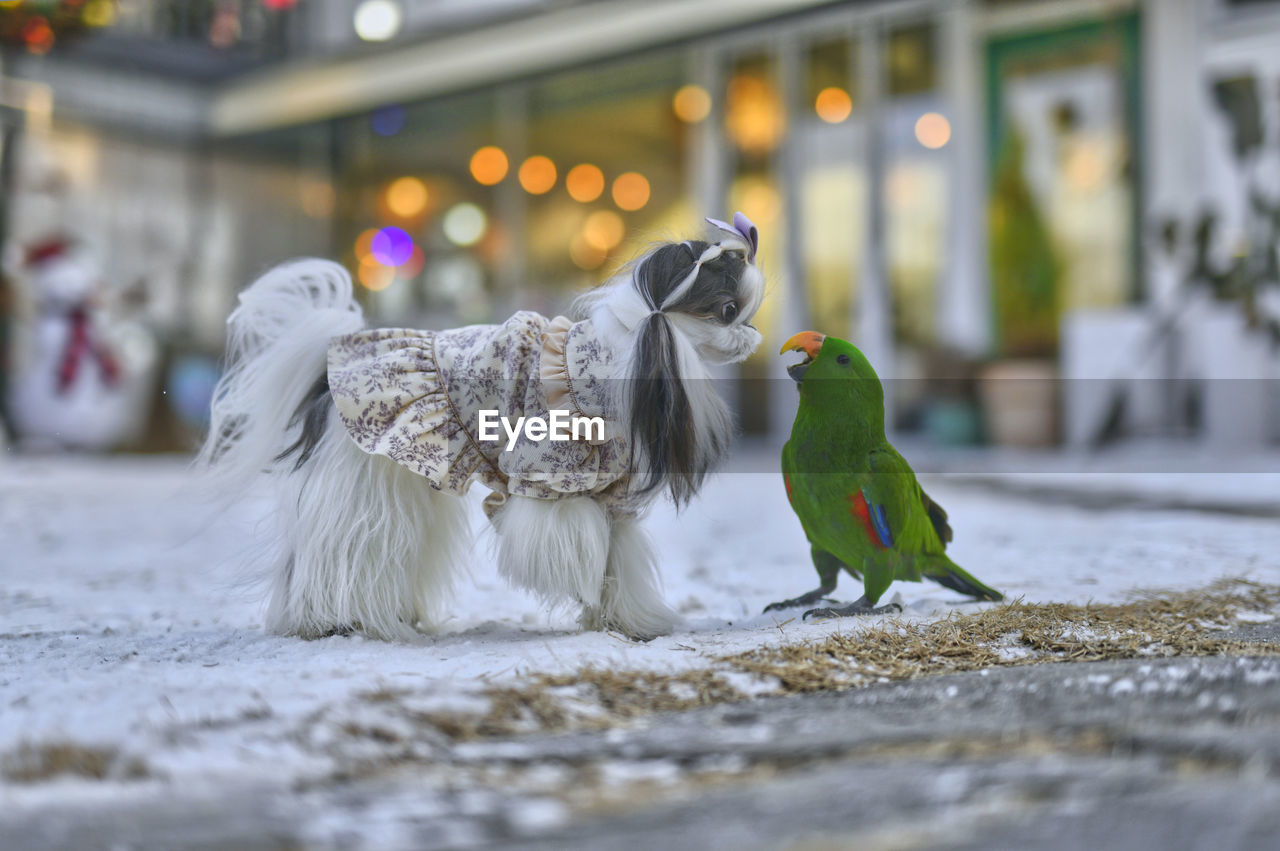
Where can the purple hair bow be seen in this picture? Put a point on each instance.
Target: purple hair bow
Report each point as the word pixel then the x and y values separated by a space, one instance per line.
pixel 742 228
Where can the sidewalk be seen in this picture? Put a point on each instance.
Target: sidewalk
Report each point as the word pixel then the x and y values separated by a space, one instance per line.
pixel 126 630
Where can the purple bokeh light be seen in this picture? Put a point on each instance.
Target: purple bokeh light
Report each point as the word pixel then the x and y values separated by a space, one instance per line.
pixel 387 120
pixel 391 246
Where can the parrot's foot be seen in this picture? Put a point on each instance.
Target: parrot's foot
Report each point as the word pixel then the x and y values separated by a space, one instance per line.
pixel 807 599
pixel 857 607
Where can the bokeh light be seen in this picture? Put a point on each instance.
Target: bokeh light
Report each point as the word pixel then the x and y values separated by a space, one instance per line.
pixel 585 255
pixel 411 267
pixel 1086 167
pixel 489 165
pixel 833 104
pixel 758 198
pixel 387 120
pixel 584 182
pixel 391 246
pixel 691 104
pixel 753 114
pixel 407 197
pixel 933 130
pixel 537 175
pixel 378 20
pixel 364 243
pixel 38 35
pixel 99 13
pixel 603 230
pixel 464 224
pixel 190 384
pixel 630 191
pixel 374 275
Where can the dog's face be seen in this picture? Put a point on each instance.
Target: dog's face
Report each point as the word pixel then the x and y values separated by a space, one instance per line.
pixel 715 309
pixel 685 305
pixel 719 307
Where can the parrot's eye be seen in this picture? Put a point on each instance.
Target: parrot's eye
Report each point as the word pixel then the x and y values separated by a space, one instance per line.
pixel 843 360
pixel 729 312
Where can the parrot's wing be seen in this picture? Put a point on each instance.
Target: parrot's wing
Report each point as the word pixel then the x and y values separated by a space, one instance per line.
pixel 938 517
pixel 888 490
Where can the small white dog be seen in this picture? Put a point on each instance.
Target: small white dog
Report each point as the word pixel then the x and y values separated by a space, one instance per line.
pixel 370 437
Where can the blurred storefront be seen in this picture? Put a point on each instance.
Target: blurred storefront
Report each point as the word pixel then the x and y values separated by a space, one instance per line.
pixel 962 187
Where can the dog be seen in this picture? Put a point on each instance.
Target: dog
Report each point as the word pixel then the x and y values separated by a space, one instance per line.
pixel 371 436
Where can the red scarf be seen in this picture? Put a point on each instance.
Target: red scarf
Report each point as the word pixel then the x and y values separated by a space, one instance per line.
pixel 79 346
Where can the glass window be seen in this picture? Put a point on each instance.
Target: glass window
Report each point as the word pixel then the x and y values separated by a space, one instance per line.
pixel 1063 223
pixel 604 171
pixel 410 168
pixel 755 124
pixel 911 59
pixel 829 88
pixel 832 186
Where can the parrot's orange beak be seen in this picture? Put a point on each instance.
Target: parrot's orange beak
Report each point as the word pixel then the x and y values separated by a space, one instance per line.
pixel 809 342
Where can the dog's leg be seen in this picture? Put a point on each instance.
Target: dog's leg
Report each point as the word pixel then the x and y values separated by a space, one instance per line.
pixel 631 599
pixel 369 546
pixel 556 548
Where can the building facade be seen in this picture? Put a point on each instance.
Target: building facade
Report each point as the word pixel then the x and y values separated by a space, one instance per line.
pixel 954 185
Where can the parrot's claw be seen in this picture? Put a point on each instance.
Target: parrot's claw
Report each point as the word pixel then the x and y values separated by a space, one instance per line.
pixel 857 607
pixel 807 599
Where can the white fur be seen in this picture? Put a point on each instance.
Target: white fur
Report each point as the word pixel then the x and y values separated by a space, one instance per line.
pixel 366 545
pixel 631 596
pixel 381 563
pixel 277 346
pixel 555 548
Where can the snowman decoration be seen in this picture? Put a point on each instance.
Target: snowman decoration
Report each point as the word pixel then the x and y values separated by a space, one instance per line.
pixel 80 380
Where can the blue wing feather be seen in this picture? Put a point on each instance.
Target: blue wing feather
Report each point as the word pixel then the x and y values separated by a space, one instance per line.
pixel 879 520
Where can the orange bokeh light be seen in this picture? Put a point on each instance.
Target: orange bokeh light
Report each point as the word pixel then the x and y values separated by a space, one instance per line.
pixel 833 105
pixel 754 116
pixel 489 165
pixel 603 230
pixel 585 255
pixel 364 244
pixel 407 197
pixel 537 175
pixel 373 275
pixel 585 183
pixel 933 130
pixel 631 191
pixel 691 104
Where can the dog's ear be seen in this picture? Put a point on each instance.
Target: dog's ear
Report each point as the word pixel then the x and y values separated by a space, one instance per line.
pixel 678 426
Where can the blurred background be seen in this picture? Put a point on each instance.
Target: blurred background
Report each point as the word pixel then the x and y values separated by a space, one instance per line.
pixel 1050 222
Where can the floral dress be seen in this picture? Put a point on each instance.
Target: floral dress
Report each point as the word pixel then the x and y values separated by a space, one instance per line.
pixel 416 397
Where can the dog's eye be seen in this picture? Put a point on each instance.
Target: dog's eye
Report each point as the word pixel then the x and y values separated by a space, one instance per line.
pixel 729 312
pixel 843 360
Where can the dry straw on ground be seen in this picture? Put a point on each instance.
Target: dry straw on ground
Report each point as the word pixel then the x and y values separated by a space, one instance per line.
pixel 31 763
pixel 1183 623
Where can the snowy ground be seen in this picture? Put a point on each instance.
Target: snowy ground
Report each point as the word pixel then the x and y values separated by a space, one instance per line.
pixel 125 621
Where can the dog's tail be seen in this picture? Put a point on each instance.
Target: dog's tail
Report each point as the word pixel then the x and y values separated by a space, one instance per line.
pixel 277 342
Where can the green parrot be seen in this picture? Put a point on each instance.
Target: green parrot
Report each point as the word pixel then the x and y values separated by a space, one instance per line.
pixel 857 498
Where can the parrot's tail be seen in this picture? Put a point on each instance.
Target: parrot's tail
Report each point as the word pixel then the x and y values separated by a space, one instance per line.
pixel 951 575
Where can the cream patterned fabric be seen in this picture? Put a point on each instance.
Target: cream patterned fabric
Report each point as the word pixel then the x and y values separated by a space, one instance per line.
pixel 416 396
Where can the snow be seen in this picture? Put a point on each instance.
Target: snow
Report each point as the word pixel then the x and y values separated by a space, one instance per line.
pixel 126 619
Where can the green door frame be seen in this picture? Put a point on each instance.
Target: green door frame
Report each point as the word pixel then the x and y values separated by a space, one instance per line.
pixel 1047 46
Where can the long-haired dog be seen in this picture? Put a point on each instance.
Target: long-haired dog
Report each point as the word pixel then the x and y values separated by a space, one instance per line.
pixel 370 436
